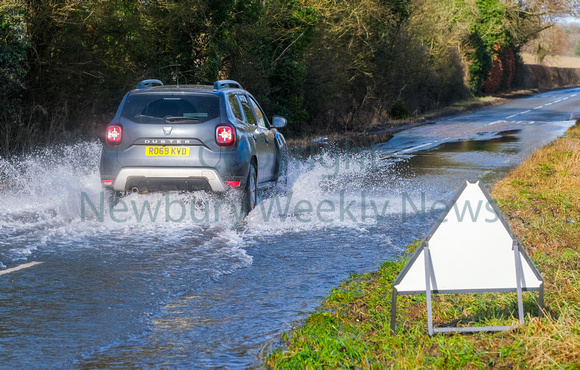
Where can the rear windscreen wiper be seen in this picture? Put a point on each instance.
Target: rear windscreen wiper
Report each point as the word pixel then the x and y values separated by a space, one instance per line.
pixel 173 119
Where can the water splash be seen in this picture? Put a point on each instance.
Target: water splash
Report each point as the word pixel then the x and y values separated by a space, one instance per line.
pixel 54 198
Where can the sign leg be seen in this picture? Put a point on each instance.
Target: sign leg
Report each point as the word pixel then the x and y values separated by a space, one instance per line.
pixel 428 289
pixel 519 278
pixel 541 301
pixel 394 311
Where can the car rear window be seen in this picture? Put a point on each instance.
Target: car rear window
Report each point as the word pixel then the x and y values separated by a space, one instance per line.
pixel 177 108
pixel 236 110
pixel 247 109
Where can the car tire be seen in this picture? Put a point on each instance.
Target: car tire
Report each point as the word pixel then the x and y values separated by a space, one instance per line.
pixel 251 190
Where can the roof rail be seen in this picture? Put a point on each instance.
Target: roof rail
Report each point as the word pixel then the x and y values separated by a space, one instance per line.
pixel 146 84
pixel 225 84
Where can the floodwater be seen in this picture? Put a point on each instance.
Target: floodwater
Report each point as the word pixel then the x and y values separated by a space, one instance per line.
pixel 178 280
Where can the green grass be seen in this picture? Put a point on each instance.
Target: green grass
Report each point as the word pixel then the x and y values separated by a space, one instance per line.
pixel 541 201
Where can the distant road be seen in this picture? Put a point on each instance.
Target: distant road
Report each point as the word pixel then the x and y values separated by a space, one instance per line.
pixel 549 109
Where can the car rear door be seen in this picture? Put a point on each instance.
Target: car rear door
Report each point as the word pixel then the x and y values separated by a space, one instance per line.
pixel 263 144
pixel 169 129
pixel 269 164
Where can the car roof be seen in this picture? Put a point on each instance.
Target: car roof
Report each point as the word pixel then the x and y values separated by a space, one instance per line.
pixel 156 86
pixel 175 88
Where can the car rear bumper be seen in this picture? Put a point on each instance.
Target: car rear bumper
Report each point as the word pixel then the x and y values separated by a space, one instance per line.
pixel 127 175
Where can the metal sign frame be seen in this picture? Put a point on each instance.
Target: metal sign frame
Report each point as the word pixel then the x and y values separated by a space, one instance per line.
pixel 520 285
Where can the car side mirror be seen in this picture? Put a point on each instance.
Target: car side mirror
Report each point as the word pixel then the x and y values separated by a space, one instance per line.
pixel 279 121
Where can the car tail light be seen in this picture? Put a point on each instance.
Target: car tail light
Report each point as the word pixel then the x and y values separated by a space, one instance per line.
pixel 225 135
pixel 234 184
pixel 108 182
pixel 114 134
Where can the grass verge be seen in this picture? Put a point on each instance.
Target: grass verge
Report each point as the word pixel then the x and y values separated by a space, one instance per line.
pixel 541 201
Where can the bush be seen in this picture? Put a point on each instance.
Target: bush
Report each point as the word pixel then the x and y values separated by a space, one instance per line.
pixel 399 110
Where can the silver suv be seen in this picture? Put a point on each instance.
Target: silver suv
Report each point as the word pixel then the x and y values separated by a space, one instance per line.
pixel 192 137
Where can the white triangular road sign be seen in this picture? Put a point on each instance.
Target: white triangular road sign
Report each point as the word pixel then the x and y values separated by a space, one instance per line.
pixel 471 249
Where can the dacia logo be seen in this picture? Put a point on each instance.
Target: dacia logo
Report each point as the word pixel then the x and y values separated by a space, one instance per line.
pixel 167 130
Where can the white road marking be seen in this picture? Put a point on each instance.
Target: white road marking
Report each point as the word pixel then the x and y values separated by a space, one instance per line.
pixel 21 267
pixel 413 148
pixel 539 107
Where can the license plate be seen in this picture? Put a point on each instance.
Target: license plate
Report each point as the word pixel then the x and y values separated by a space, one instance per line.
pixel 166 151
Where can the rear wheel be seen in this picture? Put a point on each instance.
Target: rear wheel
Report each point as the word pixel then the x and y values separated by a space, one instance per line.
pixel 251 190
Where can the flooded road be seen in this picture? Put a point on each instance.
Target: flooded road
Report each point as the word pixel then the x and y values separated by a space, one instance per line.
pixel 178 280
